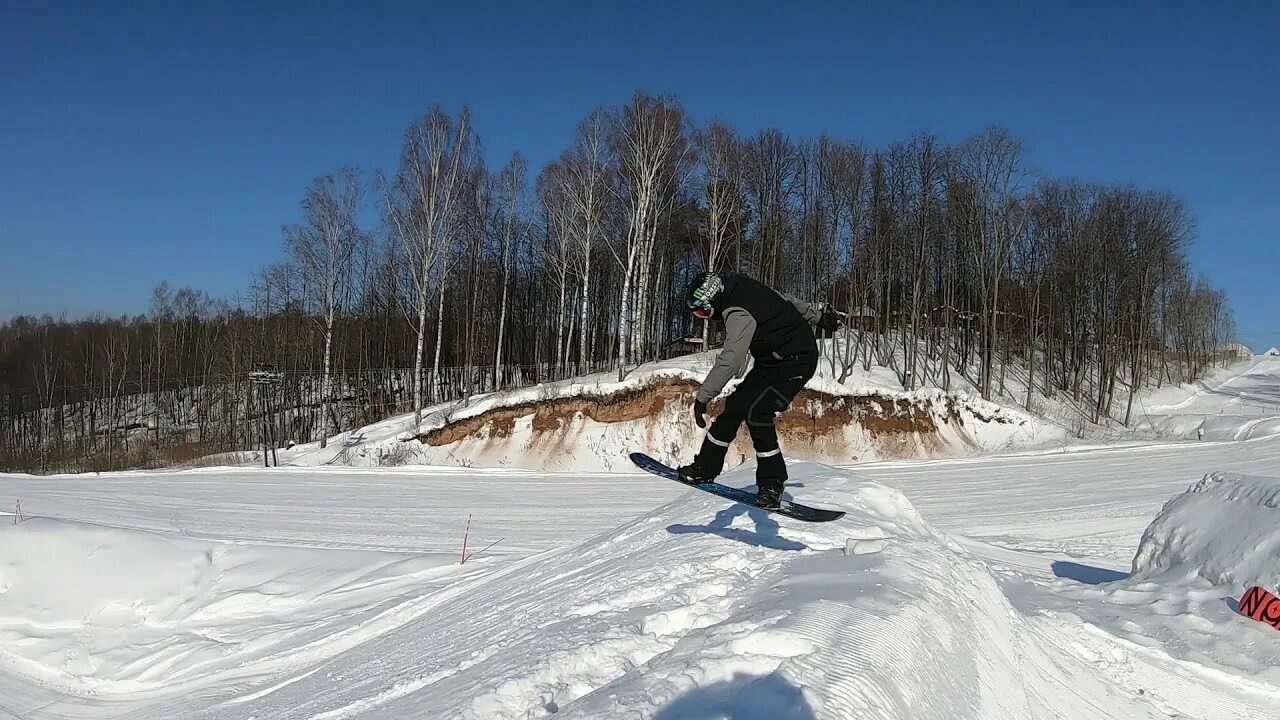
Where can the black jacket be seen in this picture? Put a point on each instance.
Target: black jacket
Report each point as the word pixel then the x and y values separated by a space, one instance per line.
pixel 760 320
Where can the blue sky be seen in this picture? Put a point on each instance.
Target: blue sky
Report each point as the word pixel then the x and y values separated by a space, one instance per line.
pixel 170 141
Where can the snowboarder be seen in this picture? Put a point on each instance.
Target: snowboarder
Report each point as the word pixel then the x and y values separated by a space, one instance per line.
pixel 777 331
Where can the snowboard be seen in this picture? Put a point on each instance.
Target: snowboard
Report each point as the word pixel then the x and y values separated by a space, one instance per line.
pixel 787 508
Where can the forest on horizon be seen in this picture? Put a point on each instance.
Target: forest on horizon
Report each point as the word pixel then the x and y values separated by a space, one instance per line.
pixel 955 253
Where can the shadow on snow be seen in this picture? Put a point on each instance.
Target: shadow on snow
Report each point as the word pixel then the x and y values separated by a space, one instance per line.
pixel 765 534
pixel 745 697
pixel 1086 574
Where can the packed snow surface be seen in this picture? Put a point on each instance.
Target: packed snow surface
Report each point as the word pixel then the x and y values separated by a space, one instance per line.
pixel 100 610
pixel 1085 582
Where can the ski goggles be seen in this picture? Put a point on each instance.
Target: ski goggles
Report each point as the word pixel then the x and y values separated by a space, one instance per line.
pixel 700 305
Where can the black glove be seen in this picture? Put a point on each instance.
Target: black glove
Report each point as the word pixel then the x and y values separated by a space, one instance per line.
pixel 829 322
pixel 700 413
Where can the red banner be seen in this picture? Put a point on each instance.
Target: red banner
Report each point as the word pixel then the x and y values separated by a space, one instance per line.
pixel 1261 605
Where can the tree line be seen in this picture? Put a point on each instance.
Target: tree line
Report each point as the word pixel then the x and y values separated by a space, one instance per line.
pixel 951 260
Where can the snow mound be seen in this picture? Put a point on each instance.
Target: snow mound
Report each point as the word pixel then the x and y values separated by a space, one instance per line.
pixel 1273 352
pixel 98 610
pixel 703 609
pixel 1225 528
pixel 1179 606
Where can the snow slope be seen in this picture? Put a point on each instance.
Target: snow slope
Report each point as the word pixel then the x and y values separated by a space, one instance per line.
pixel 983 587
pixel 589 423
pixel 548 427
pixel 1236 404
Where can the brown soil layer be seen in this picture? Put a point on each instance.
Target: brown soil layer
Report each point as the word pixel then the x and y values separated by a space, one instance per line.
pixel 550 415
pixel 812 413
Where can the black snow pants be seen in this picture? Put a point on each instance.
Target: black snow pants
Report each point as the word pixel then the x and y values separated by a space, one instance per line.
pixel 766 391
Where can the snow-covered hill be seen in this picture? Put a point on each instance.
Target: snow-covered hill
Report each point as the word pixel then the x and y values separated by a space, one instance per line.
pixel 1063 582
pixel 1236 404
pixel 588 424
pixel 589 428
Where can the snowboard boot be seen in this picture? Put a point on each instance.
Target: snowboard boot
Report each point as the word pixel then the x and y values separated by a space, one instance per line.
pixel 769 496
pixel 694 474
pixel 771 475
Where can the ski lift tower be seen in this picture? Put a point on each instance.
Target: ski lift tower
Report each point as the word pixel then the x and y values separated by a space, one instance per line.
pixel 267 381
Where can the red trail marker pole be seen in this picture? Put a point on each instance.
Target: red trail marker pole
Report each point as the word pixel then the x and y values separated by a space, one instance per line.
pixel 465 533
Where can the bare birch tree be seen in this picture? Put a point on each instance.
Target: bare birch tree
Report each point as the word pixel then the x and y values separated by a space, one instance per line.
pixel 423 206
pixel 651 145
pixel 589 163
pixel 721 154
pixel 323 247
pixel 558 245
pixel 991 167
pixel 511 186
pixel 843 168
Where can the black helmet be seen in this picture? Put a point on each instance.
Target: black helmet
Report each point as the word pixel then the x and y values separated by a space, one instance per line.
pixel 702 293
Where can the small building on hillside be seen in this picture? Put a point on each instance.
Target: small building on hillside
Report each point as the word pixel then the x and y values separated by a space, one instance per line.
pixel 860 318
pixel 687 345
pixel 1237 351
pixel 1274 352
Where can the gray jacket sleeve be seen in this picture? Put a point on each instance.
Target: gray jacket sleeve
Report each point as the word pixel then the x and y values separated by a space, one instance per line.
pixel 812 312
pixel 739 327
